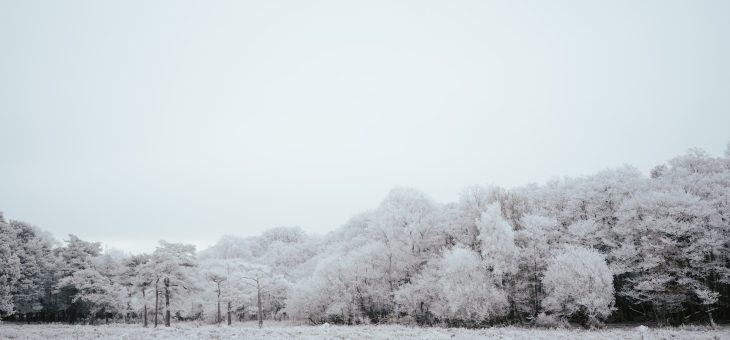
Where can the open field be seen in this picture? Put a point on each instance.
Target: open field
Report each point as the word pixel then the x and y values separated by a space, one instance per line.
pixel 284 331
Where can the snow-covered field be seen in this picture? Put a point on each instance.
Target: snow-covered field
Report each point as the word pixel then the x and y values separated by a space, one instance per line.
pixel 283 331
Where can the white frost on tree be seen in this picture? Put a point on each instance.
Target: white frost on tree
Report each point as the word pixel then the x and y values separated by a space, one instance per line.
pixel 99 293
pixel 469 291
pixel 497 242
pixel 579 284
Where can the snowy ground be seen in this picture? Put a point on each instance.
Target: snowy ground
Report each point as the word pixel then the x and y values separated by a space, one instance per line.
pixel 286 331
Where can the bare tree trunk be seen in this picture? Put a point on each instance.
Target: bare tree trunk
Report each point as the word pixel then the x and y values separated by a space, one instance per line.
pixel 167 302
pixel 656 314
pixel 390 271
pixel 218 320
pixel 261 313
pixel 145 308
pixel 712 321
pixel 157 300
pixel 157 303
pixel 229 313
pixel 537 297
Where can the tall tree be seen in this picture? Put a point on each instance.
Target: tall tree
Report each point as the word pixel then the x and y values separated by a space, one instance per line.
pixel 579 285
pixel 172 264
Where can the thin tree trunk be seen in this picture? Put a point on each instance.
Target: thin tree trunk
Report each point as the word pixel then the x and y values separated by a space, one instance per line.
pixel 157 303
pixel 145 308
pixel 167 302
pixel 390 271
pixel 712 321
pixel 218 320
pixel 261 314
pixel 229 313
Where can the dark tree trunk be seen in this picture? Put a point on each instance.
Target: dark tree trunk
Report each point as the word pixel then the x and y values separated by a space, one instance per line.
pixel 157 304
pixel 145 308
pixel 712 321
pixel 218 320
pixel 260 312
pixel 537 296
pixel 229 313
pixel 167 302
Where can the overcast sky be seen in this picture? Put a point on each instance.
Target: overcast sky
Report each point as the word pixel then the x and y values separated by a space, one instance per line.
pixel 128 122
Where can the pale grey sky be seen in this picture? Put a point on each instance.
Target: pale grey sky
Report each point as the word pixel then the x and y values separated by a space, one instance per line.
pixel 127 122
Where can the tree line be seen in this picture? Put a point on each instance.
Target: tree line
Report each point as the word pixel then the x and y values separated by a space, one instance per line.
pixel 616 246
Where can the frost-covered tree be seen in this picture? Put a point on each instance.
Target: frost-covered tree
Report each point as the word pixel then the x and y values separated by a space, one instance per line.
pixel 534 243
pixel 264 284
pixel 76 255
pixel 469 291
pixel 473 201
pixel 455 288
pixel 578 284
pixel 406 223
pixel 217 280
pixel 497 242
pixel 9 268
pixel 674 239
pixel 95 291
pixel 326 295
pixel 25 268
pixel 230 247
pixel 308 299
pixel 171 266
pixel 225 285
pixel 423 297
pixel 137 278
